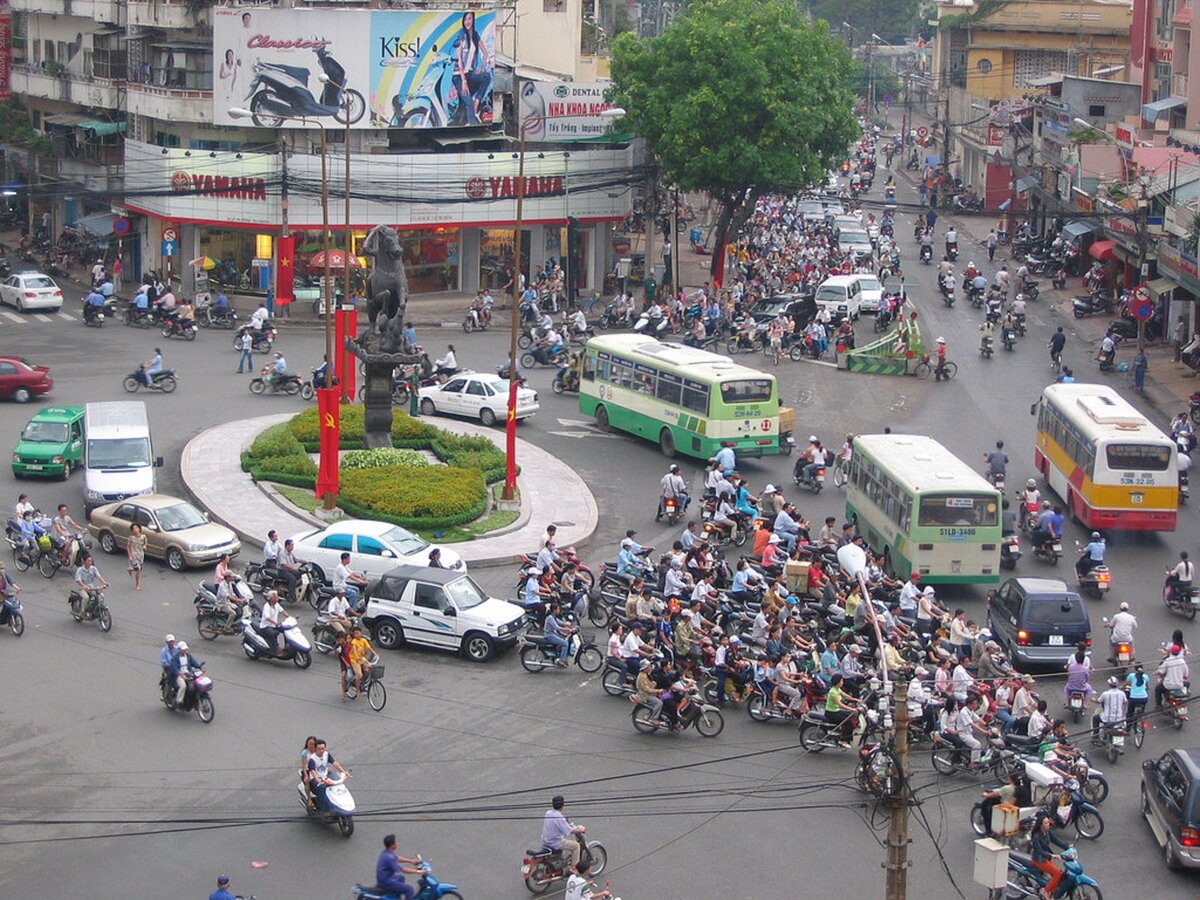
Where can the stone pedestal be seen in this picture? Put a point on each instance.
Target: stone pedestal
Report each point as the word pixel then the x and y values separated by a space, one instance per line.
pixel 377 396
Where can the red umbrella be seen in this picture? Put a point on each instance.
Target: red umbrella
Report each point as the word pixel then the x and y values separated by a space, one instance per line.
pixel 337 260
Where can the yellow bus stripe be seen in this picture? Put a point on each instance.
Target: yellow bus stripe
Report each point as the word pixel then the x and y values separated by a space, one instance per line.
pixel 1106 496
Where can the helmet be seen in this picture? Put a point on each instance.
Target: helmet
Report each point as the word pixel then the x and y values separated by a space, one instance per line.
pixel 182 645
pixel 1031 484
pixel 626 544
pixel 1095 535
pixel 674 467
pixel 170 639
pixel 676 564
pixel 1113 681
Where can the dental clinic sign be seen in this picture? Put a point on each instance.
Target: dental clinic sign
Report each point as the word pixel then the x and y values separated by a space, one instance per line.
pixel 565 110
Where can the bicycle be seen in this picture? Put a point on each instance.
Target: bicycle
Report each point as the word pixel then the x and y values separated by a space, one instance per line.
pixel 923 369
pixel 1055 361
pixel 373 688
pixel 840 475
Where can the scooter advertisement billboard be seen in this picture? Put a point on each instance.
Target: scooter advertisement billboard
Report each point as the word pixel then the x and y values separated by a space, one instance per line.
pixel 307 68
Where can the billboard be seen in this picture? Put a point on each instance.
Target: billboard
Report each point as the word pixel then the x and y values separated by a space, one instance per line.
pixel 564 110
pixel 429 69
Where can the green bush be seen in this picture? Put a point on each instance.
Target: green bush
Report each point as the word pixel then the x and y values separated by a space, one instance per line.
pixel 277 440
pixel 374 459
pixel 306 427
pixel 406 428
pixel 422 497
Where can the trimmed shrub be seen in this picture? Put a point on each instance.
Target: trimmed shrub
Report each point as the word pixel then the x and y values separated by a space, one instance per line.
pixel 405 428
pixel 277 440
pixel 422 497
pixel 374 459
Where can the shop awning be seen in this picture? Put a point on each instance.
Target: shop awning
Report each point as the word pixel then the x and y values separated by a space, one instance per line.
pixel 101 128
pixel 1160 286
pixel 1024 184
pixel 1152 112
pixel 1078 229
pixel 1102 250
pixel 99 224
pixel 1043 81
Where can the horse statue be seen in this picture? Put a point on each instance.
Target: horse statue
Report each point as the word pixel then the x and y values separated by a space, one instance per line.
pixel 387 285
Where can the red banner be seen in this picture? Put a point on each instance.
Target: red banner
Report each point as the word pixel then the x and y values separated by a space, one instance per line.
pixel 285 276
pixel 339 349
pixel 329 415
pixel 349 360
pixel 5 50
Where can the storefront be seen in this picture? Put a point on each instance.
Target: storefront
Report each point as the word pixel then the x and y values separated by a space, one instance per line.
pixel 1179 267
pixel 454 212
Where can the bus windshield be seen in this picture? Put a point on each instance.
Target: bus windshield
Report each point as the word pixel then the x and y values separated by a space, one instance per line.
pixel 748 390
pixel 957 509
pixel 1143 457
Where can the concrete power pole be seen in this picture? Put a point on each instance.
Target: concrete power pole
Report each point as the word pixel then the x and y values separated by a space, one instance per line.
pixel 897 840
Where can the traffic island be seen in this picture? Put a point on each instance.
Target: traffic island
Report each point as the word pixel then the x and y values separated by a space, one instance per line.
pixel 896 353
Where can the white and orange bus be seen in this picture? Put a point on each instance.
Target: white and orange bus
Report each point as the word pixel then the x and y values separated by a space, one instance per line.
pixel 1111 466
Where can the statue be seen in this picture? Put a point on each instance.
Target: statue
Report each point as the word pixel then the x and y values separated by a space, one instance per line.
pixel 383 347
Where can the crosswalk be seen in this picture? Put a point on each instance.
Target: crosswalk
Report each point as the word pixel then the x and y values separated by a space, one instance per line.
pixel 18 319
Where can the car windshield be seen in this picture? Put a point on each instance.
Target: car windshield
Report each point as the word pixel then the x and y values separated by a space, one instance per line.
pixel 869 284
pixel 179 517
pixel 465 593
pixel 45 433
pixel 118 453
pixel 1064 610
pixel 38 281
pixel 404 541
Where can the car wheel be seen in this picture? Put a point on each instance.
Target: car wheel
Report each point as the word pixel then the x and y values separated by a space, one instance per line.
pixel 108 543
pixel 487 417
pixel 478 647
pixel 175 560
pixel 427 407
pixel 1169 855
pixel 388 634
pixel 21 395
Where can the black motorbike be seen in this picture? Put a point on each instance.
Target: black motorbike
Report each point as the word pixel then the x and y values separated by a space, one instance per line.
pixel 281 92
pixel 545 356
pixel 180 328
pixel 263 339
pixel 1096 303
pixel 926 253
pixel 137 318
pixel 952 250
pixel 93 316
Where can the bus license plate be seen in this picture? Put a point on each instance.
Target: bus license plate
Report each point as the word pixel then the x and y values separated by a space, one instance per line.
pixel 1137 497
pixel 1055 640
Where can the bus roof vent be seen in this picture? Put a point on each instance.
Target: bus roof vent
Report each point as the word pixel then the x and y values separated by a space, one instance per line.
pixel 1109 411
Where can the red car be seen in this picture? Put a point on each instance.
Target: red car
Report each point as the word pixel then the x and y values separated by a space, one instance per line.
pixel 21 380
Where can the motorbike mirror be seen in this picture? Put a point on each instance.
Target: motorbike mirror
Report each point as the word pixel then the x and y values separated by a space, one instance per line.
pixel 1033 409
pixel 158 461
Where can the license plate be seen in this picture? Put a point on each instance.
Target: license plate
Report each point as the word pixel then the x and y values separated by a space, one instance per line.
pixel 33 467
pixel 1055 640
pixel 1137 497
pixel 1124 657
pixel 1196 601
pixel 1118 740
pixel 525 870
pixel 1076 702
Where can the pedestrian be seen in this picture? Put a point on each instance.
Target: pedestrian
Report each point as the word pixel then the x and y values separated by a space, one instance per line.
pixel 117 268
pixel 270 303
pixel 991 240
pixel 247 357
pixel 222 891
pixel 1178 337
pixel 135 550
pixel 922 190
pixel 1140 364
pixel 939 373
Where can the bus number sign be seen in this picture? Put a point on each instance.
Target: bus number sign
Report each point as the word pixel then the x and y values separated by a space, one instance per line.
pixel 766 425
pixel 960 503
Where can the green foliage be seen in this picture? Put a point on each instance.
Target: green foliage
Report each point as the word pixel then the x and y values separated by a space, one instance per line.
pixel 429 497
pixel 984 9
pixel 14 125
pixel 737 96
pixel 277 440
pixel 406 431
pixel 374 459
pixel 892 20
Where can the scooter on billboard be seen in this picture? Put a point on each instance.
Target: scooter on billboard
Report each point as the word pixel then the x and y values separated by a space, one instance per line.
pixel 439 101
pixel 281 92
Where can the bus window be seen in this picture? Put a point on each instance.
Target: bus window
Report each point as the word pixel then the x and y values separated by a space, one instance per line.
pixel 589 368
pixel 670 389
pixel 695 397
pixel 1140 457
pixel 750 390
pixel 944 511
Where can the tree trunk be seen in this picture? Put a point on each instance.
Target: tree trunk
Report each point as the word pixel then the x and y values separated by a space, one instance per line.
pixel 735 211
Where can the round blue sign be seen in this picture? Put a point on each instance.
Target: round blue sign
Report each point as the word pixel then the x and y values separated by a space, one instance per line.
pixel 1142 310
pixel 120 226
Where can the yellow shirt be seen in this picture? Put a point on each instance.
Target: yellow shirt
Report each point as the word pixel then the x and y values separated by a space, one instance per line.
pixel 359 648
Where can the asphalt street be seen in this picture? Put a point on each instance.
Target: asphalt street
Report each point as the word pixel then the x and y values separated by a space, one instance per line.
pixel 105 793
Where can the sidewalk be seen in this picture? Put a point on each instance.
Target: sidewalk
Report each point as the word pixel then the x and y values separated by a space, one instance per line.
pixel 551 491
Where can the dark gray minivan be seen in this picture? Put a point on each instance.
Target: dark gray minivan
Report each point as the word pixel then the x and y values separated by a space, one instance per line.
pixel 1038 621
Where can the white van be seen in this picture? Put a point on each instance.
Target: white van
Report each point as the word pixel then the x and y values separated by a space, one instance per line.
pixel 119 459
pixel 841 295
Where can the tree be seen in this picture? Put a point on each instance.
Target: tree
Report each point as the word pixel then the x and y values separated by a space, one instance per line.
pixel 738 98
pixel 892 20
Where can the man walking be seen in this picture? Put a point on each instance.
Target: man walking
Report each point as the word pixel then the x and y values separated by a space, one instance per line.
pixel 990 241
pixel 247 357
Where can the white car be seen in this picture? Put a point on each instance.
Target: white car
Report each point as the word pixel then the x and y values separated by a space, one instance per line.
pixel 31 290
pixel 374 548
pixel 872 293
pixel 482 397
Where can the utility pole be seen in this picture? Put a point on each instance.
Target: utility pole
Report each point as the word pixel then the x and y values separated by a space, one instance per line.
pixel 1143 212
pixel 870 78
pixel 1014 198
pixel 898 802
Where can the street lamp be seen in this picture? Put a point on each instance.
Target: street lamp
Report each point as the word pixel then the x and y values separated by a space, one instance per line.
pixel 510 430
pixel 240 113
pixel 349 240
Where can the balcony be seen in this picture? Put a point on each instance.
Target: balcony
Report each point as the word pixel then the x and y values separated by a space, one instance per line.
pixel 166 14
pixel 169 104
pixel 1179 86
pixel 101 93
pixel 108 11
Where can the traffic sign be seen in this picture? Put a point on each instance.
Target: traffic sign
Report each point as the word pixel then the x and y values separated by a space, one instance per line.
pixel 120 226
pixel 1142 292
pixel 1142 309
pixel 170 235
pixel 169 248
pixel 922 132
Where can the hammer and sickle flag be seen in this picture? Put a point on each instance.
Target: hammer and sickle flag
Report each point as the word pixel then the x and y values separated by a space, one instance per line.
pixel 329 411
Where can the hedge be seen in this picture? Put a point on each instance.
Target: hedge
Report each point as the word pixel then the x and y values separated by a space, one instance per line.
pixel 278 440
pixel 415 497
pixel 375 459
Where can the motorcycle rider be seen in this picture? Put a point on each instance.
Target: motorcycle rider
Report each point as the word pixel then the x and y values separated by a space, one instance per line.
pixel 559 835
pixel 579 888
pixel 278 371
pixel 320 761
pixel 1092 556
pixel 1017 308
pixel 391 868
pixel 1172 675
pixel 1049 527
pixel 151 367
pixel 674 487
pixel 1058 340
pixel 1108 349
pixel 167 653
pixel 271 621
pixel 951 241
pixel 578 322
pixel 93 304
pixel 997 462
pixel 815 454
pixel 64 530
pixel 1113 709
pixel 448 364
pixel 926 241
pixel 1030 498
pixel 1179 579
pixel 183 664
pixel 1121 629
pixel 88 577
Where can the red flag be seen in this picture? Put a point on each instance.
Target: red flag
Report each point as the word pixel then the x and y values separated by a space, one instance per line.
pixel 350 361
pixel 339 349
pixel 329 415
pixel 285 277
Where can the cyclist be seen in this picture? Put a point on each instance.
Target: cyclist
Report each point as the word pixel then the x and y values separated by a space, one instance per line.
pixel 1058 340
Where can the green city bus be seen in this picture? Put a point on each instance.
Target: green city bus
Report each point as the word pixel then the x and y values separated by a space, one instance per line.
pixel 688 400
pixel 925 509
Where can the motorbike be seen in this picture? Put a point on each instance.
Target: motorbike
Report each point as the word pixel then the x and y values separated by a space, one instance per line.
pixel 1051 552
pixel 976 296
pixel 262 340
pixel 439 102
pixel 207 314
pixel 817 733
pixel 1175 704
pixel 537 653
pixel 698 714
pixel 1194 407
pixel 90 608
pixel 997 480
pixel 611 318
pixel 670 508
pixel 162 381
pixel 1030 290
pixel 815 483
pixel 296 646
pixel 746 338
pixel 137 318
pixel 1186 601
pixel 196 697
pixel 1010 550
pixel 1111 738
pixel 1027 880
pixel 542 868
pixel 1094 304
pixel 926 253
pixel 985 346
pixel 428 887
pixel 339 803
pixel 93 316
pixel 555 356
pixel 211 622
pixel 287 383
pixel 11 615
pixel 643 326
pixel 950 758
pixel 1076 700
pixel 1095 582
pixel 475 320
pixel 184 328
pixel 1059 279
pixel 952 250
pixel 947 293
pixel 280 92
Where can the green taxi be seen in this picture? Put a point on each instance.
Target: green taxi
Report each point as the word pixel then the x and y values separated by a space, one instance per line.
pixel 51 444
